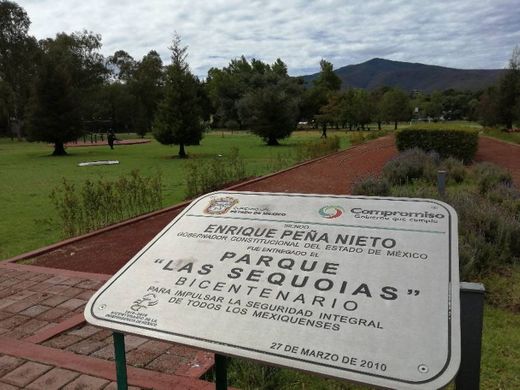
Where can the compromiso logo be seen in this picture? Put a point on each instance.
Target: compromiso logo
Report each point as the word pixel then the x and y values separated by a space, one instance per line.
pixel 390 213
pixel 331 212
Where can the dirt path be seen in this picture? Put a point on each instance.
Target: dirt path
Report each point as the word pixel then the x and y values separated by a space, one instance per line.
pixel 501 153
pixel 106 252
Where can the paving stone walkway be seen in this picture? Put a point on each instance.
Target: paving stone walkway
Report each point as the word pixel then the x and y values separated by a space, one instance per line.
pixel 46 344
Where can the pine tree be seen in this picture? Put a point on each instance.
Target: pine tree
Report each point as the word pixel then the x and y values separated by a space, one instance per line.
pixel 178 118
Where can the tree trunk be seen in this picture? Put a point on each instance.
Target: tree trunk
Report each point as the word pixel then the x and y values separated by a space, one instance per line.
pixel 59 149
pixel 182 152
pixel 395 126
pixel 378 125
pixel 272 141
pixel 17 129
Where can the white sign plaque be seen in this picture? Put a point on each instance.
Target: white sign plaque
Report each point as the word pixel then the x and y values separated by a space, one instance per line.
pixel 359 288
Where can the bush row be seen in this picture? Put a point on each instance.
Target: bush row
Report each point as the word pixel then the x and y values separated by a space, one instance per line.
pixel 210 175
pixel 460 144
pixel 314 149
pixel 487 204
pixel 100 203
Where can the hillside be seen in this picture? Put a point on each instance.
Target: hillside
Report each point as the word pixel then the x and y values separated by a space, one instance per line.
pixel 409 76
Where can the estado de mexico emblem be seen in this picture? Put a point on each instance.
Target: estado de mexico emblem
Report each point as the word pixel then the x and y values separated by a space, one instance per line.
pixel 219 206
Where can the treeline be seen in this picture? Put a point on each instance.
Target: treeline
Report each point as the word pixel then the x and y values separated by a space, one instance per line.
pixel 500 104
pixel 57 89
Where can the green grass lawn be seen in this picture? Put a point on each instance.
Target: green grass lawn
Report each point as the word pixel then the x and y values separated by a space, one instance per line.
pixel 28 174
pixel 503 135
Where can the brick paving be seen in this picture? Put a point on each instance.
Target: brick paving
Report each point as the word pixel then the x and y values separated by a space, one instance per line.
pixel 18 373
pixel 46 344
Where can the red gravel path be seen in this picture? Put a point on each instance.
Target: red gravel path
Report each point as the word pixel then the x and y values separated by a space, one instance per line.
pixel 501 153
pixel 106 252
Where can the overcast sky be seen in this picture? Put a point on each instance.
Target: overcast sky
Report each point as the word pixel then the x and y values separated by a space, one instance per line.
pixel 463 34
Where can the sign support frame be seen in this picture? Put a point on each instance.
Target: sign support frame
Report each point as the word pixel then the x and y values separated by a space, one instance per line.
pixel 120 359
pixel 221 362
pixel 471 319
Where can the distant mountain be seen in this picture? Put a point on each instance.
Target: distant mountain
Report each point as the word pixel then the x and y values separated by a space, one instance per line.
pixel 409 76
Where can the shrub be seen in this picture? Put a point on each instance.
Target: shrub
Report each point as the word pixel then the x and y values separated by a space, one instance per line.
pixel 410 165
pixel 489 176
pixel 489 219
pixel 211 175
pixel 371 186
pixel 101 203
pixel 489 235
pixel 281 161
pixel 460 144
pixel 357 138
pixel 314 149
pixel 455 169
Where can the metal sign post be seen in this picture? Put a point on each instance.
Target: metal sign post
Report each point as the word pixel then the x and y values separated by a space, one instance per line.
pixel 120 358
pixel 220 372
pixel 471 319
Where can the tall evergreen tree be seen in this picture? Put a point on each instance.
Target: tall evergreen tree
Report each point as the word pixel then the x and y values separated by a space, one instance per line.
pixel 18 55
pixel 270 108
pixel 178 119
pixel 54 108
pixel 71 70
pixel 509 91
pixel 327 79
pixel 145 85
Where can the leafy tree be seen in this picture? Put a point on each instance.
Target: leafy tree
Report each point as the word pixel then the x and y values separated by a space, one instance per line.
pixel 228 85
pixel 178 118
pixel 117 106
pixel 69 75
pixel 322 101
pixel 122 65
pixel 434 107
pixel 509 91
pixel 330 112
pixel 146 85
pixel 327 79
pixel 271 112
pixel 362 107
pixel 54 114
pixel 395 106
pixel 376 98
pixel 270 107
pixel 488 109
pixel 311 102
pixel 18 55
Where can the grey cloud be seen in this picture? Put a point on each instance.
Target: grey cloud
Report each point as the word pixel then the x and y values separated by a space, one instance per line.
pixel 465 34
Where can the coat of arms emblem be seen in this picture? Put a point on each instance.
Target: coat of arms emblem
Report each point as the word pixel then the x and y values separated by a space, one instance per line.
pixel 219 206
